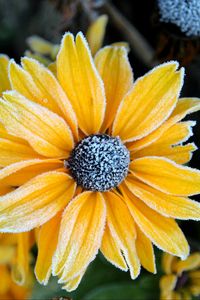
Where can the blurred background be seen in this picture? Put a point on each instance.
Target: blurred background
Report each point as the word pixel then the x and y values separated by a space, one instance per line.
pixel 152 40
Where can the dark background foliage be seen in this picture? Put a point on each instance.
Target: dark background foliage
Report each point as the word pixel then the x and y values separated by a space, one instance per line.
pixel 20 19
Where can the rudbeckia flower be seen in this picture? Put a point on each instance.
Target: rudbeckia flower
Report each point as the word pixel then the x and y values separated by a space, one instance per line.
pixel 98 161
pixel 181 279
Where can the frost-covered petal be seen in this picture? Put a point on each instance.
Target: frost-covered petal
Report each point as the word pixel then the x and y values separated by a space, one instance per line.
pixel 47 133
pixel 122 228
pixel 184 107
pixel 35 202
pixel 149 103
pixel 51 91
pixel 166 176
pixel 111 250
pixel 167 205
pixel 47 243
pixel 18 173
pixel 80 235
pixel 145 251
pixel 80 80
pixel 115 70
pixel 162 231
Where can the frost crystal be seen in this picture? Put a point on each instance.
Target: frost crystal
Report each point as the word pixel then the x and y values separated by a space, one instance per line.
pixel 99 162
pixel 183 13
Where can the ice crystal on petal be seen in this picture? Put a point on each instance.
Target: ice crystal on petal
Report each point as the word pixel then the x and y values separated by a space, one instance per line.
pixel 183 13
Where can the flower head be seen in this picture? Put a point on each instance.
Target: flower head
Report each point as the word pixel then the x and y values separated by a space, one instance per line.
pixel 182 278
pixel 97 160
pixel 183 13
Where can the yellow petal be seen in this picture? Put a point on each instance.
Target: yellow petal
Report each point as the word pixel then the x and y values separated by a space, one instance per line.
pixel 7 252
pixel 168 262
pixel 35 202
pixel 167 176
pixel 51 91
pixel 149 103
pixel 25 84
pixel 5 135
pixel 167 205
pixel 191 263
pixel 47 133
pixel 179 154
pixel 21 292
pixel 80 235
pixel 81 82
pixel 18 173
pixel 72 284
pixel 164 146
pixel 112 251
pixel 167 286
pixel 96 32
pixel 195 290
pixel 20 267
pixel 121 44
pixel 162 231
pixel 115 70
pixel 194 278
pixel 47 242
pixel 4 80
pixel 168 283
pixel 40 58
pixel 39 45
pixel 4 190
pixel 5 280
pixel 194 274
pixel 177 133
pixel 182 154
pixel 8 239
pixel 184 106
pixel 123 230
pixel 53 68
pixel 145 251
pixel 12 152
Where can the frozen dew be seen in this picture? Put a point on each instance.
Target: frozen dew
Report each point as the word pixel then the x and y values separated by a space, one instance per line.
pixel 99 162
pixel 183 13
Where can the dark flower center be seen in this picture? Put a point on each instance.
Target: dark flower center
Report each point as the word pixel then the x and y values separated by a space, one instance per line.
pixel 99 162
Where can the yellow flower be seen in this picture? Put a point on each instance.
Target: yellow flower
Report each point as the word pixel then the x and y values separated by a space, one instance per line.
pixel 181 279
pixel 119 142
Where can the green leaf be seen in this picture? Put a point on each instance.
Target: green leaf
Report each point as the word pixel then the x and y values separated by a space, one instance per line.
pixel 141 289
pixel 104 280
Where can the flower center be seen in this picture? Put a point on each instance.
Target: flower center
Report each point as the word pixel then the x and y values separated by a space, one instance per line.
pixel 99 162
